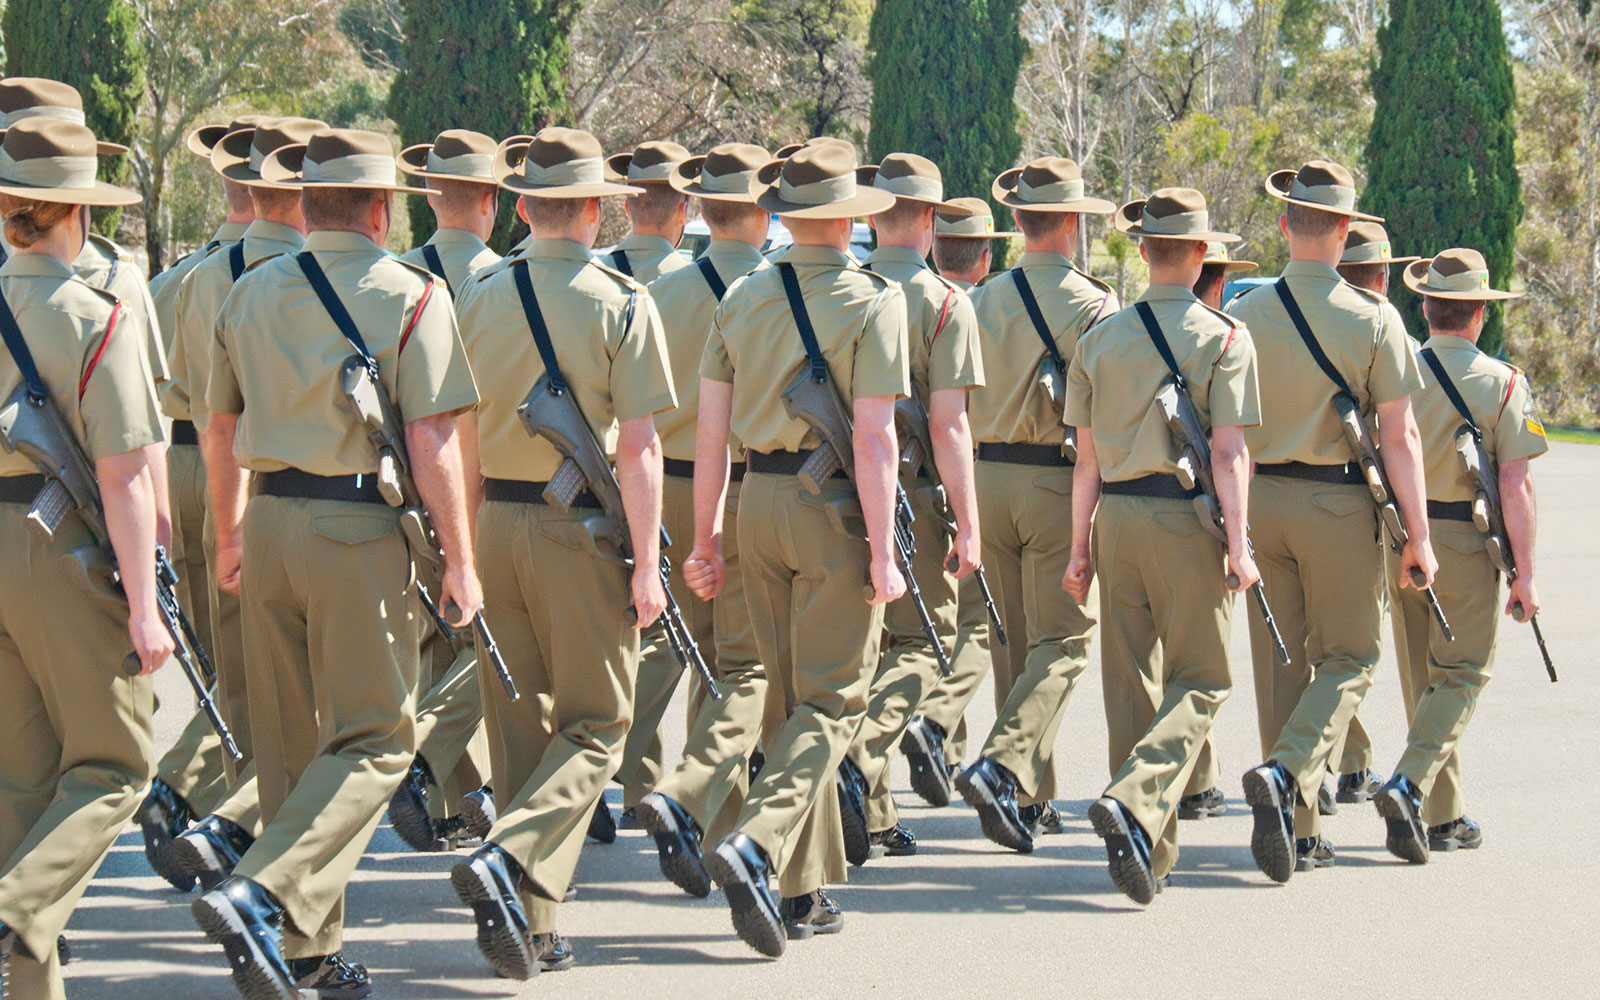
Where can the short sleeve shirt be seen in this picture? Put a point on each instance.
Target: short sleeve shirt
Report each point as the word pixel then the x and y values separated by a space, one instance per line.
pixel 164 290
pixel 649 257
pixel 941 327
pixel 1500 401
pixel 1363 336
pixel 277 356
pixel 755 345
pixel 461 255
pixel 105 265
pixel 1117 372
pixel 608 342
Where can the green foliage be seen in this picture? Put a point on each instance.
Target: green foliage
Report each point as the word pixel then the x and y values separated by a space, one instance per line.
pixel 1441 157
pixel 822 42
pixel 494 66
pixel 943 75
pixel 95 46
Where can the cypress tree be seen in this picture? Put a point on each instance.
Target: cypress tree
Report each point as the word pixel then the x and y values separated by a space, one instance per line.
pixel 493 66
pixel 1441 162
pixel 95 46
pixel 943 73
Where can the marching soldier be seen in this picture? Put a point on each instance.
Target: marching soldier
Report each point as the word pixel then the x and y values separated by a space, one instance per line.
pixel 558 606
pixel 207 852
pixel 945 363
pixel 329 624
pixel 78 751
pixel 1030 321
pixel 815 316
pixel 1313 521
pixel 1490 403
pixel 937 734
pixel 702 797
pixel 452 752
pixel 1163 573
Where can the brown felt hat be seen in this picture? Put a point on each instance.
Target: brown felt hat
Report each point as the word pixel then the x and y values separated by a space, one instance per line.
pixel 973 221
pixel 1048 184
pixel 817 182
pixel 556 163
pixel 337 158
pixel 238 156
pixel 1454 274
pixel 25 97
pixel 1217 254
pixel 650 163
pixel 50 159
pixel 1321 185
pixel 909 177
pixel 204 139
pixel 454 155
pixel 784 152
pixel 1170 214
pixel 1368 243
pixel 724 174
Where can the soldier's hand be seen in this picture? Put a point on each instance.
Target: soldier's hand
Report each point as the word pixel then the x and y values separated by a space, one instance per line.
pixel 1523 593
pixel 462 593
pixel 1080 573
pixel 151 641
pixel 703 571
pixel 230 557
pixel 649 597
pixel 1414 558
pixel 964 554
pixel 887 582
pixel 1244 568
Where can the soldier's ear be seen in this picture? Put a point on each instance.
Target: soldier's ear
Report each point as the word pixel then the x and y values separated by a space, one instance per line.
pixel 1144 251
pixel 522 211
pixel 1283 225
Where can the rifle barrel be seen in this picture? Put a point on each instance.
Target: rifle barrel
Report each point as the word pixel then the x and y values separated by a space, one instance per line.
pixel 1544 651
pixel 915 593
pixel 988 603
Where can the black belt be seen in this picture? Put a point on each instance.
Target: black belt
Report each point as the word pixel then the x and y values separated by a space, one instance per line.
pixel 184 432
pixel 1450 510
pixel 782 463
pixel 1164 487
pixel 1348 474
pixel 685 470
pixel 300 485
pixel 20 489
pixel 523 491
pixel 1023 454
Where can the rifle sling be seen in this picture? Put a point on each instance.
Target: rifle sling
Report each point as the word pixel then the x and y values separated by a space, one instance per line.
pixel 236 260
pixel 1031 305
pixel 1303 328
pixel 802 319
pixel 430 254
pixel 619 261
pixel 1148 316
pixel 336 311
pixel 536 326
pixel 1450 390
pixel 12 334
pixel 709 270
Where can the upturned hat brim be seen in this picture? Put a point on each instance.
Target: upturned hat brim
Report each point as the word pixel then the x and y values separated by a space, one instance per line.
pixel 1129 221
pixel 282 168
pixel 617 165
pixel 508 174
pixel 866 200
pixel 233 167
pixel 413 162
pixel 101 195
pixel 101 148
pixel 1004 191
pixel 205 138
pixel 867 175
pixel 685 180
pixel 1278 184
pixel 1416 279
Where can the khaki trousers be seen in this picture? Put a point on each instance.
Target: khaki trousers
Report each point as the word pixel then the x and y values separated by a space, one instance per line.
pixel 1164 654
pixel 450 730
pixel 243 803
pixel 1354 753
pixel 1441 681
pixel 330 633
pixel 819 639
pixel 970 663
pixel 77 750
pixel 659 671
pixel 908 670
pixel 1026 513
pixel 558 614
pixel 1317 548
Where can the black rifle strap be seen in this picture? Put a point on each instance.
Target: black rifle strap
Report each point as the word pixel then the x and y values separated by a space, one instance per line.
pixel 430 254
pixel 1153 328
pixel 4 254
pixel 1298 318
pixel 236 260
pixel 619 261
pixel 536 326
pixel 712 277
pixel 1031 304
pixel 12 334
pixel 336 310
pixel 1450 390
pixel 209 248
pixel 802 319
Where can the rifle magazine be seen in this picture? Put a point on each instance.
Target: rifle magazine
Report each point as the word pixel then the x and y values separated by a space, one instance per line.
pixel 563 488
pixel 819 467
pixel 49 509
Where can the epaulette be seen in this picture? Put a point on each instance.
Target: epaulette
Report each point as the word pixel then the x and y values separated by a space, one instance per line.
pixel 252 265
pixel 1376 297
pixel 1091 279
pixel 631 284
pixel 112 298
pixel 875 276
pixel 1233 322
pixel 418 269
pixel 992 275
pixel 946 282
pixel 111 249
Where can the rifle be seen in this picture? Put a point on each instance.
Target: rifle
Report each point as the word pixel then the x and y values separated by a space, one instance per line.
pixel 30 425
pixel 911 421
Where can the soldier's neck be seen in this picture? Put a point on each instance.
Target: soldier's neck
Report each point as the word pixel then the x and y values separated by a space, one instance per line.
pixel 672 234
pixel 63 242
pixel 1320 251
pixel 468 222
pixel 918 240
pixel 971 277
pixel 1470 336
pixel 1057 243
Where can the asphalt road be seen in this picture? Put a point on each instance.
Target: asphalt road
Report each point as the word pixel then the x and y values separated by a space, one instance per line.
pixel 963 918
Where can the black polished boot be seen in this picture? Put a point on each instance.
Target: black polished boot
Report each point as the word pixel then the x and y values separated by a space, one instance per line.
pixel 1200 805
pixel 809 915
pixel 991 789
pixel 1460 834
pixel 210 850
pixel 1127 849
pixel 923 745
pixel 896 842
pixel 1400 804
pixel 477 809
pixel 1311 853
pixel 247 922
pixel 1270 792
pixel 741 868
pixel 677 838
pixel 408 810
pixel 852 788
pixel 162 816
pixel 1360 786
pixel 490 886
pixel 331 977
pixel 602 825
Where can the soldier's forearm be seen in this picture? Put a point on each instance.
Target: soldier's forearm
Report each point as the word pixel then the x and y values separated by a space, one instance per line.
pixel 1230 472
pixel 1085 492
pixel 711 459
pixel 471 469
pixel 1402 458
pixel 1519 511
pixel 225 480
pixel 434 449
pixel 876 471
pixel 952 455
pixel 639 477
pixel 127 492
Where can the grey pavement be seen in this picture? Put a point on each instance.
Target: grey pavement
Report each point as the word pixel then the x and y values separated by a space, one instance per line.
pixel 964 918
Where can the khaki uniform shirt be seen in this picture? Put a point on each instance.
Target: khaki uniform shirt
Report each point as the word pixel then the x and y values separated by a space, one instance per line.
pixel 607 338
pixel 273 328
pixel 105 265
pixel 1012 407
pixel 687 305
pixel 860 323
pixel 199 301
pixel 1363 336
pixel 97 370
pixel 462 254
pixel 462 293
pixel 1117 372
pixel 649 257
pixel 1497 396
pixel 164 286
pixel 942 329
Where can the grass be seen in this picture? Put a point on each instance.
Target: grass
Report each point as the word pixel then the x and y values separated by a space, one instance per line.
pixel 1577 435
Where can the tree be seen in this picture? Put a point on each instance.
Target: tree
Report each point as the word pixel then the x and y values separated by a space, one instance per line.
pixel 95 46
pixel 943 75
pixel 1441 157
pixel 495 66
pixel 823 40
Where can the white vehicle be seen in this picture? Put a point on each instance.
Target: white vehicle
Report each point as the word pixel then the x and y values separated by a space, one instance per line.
pixel 697 237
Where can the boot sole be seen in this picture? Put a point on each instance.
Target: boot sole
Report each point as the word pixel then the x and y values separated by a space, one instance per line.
pixel 1135 880
pixel 927 780
pixel 756 924
pixel 412 823
pixel 478 823
pixel 253 975
pixel 805 932
pixel 201 863
pixel 1448 844
pixel 1350 798
pixel 159 844
pixel 995 828
pixel 499 938
pixel 677 866
pixel 1306 863
pixel 602 833
pixel 1406 838
pixel 1203 812
pixel 857 843
pixel 1271 845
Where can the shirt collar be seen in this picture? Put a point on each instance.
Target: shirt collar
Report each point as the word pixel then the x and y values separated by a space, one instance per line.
pixel 1311 269
pixel 1043 258
pixel 34 265
pixel 557 250
pixel 1450 342
pixel 230 232
pixel 456 238
pixel 737 252
pixel 652 244
pixel 799 253
pixel 274 232
pixel 335 241
pixel 896 255
pixel 1168 293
